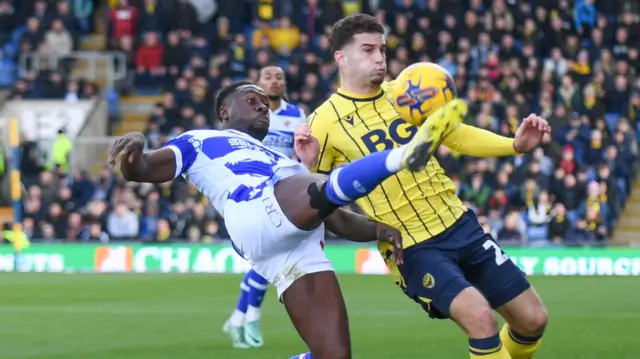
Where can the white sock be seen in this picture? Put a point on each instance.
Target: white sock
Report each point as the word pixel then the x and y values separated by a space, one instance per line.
pixel 253 314
pixel 394 160
pixel 237 318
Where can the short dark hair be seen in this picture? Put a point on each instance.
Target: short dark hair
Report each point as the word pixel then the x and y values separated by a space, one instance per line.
pixel 271 64
pixel 226 92
pixel 345 29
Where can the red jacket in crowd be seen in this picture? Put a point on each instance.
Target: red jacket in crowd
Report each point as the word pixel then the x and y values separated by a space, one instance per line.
pixel 149 57
pixel 124 20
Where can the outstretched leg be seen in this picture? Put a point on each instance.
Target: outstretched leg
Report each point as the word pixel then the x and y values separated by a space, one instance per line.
pixel 307 209
pixel 318 312
pixel 307 202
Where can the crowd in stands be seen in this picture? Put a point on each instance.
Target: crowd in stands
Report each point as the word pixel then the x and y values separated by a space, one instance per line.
pixel 573 62
pixel 50 28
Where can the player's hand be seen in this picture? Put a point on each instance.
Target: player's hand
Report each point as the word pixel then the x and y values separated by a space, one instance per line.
pixel 391 235
pixel 306 146
pixel 530 132
pixel 128 145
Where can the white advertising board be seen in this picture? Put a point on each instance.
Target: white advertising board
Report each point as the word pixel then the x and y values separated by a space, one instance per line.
pixel 40 120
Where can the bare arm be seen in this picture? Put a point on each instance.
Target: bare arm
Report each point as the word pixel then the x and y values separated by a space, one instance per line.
pixel 153 167
pixel 358 228
pixel 352 226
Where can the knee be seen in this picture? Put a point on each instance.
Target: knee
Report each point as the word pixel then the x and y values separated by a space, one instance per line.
pixel 472 312
pixel 481 323
pixel 534 323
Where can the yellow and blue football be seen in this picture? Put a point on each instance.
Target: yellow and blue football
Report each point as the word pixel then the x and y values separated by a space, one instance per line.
pixel 420 90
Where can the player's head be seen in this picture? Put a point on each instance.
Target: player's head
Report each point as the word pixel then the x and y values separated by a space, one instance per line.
pixel 272 81
pixel 358 46
pixel 244 106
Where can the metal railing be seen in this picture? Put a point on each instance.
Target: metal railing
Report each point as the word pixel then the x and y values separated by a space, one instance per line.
pixel 90 152
pixel 107 66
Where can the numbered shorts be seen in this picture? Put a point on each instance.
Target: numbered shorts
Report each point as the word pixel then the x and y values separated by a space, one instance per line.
pixel 437 270
pixel 275 248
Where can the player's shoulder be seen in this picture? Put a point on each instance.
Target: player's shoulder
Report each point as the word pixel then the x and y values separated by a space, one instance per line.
pixel 388 87
pixel 289 110
pixel 206 139
pixel 333 110
pixel 203 134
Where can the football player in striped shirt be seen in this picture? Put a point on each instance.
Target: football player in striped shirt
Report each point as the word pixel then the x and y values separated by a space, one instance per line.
pixel 244 324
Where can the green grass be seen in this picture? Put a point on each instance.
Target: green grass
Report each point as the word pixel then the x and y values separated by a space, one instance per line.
pixel 148 316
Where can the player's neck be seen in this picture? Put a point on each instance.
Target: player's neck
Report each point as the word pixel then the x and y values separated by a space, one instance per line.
pixel 358 89
pixel 275 104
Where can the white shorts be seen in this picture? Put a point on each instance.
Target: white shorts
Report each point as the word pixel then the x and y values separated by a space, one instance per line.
pixel 276 249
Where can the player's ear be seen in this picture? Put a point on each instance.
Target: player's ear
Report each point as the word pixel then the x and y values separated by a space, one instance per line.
pixel 339 57
pixel 224 113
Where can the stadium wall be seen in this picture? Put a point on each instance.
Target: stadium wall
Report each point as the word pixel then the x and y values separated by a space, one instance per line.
pixel 351 259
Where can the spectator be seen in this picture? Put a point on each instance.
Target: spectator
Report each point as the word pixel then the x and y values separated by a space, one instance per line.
pixel 7 20
pixel 540 213
pixel 69 21
pixel 559 224
pixel 95 233
pixel 478 192
pixel 58 41
pixel 163 231
pixel 595 151
pixel 33 34
pixel 74 227
pixel 30 166
pixel 82 10
pixel 175 56
pixel 123 21
pixel 152 17
pixel 510 233
pixel 184 19
pixel 149 61
pixel 122 223
pixel 60 152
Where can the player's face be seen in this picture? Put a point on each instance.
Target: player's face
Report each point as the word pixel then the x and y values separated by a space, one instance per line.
pixel 272 81
pixel 365 59
pixel 250 111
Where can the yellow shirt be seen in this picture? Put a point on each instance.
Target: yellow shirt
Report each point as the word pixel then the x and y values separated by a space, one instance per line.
pixel 420 205
pixel 280 39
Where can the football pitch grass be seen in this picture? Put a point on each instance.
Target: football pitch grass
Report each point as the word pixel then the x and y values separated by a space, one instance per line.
pixel 154 316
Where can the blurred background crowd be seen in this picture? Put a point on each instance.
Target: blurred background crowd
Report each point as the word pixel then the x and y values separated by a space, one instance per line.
pixel 572 62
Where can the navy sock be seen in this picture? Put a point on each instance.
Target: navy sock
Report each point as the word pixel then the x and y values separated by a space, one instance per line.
pixel 357 179
pixel 485 346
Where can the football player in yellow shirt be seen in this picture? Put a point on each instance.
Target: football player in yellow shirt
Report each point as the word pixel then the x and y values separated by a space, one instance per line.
pixel 451 267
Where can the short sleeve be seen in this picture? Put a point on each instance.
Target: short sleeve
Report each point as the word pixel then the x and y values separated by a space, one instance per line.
pixel 185 148
pixel 321 129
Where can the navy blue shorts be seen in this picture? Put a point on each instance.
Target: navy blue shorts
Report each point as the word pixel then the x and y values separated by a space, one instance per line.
pixel 435 271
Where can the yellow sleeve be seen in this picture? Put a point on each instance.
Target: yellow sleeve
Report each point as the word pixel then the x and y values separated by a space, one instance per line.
pixel 321 129
pixel 473 141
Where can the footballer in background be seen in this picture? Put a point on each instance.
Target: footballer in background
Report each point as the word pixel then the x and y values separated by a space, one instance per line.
pixel 244 324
